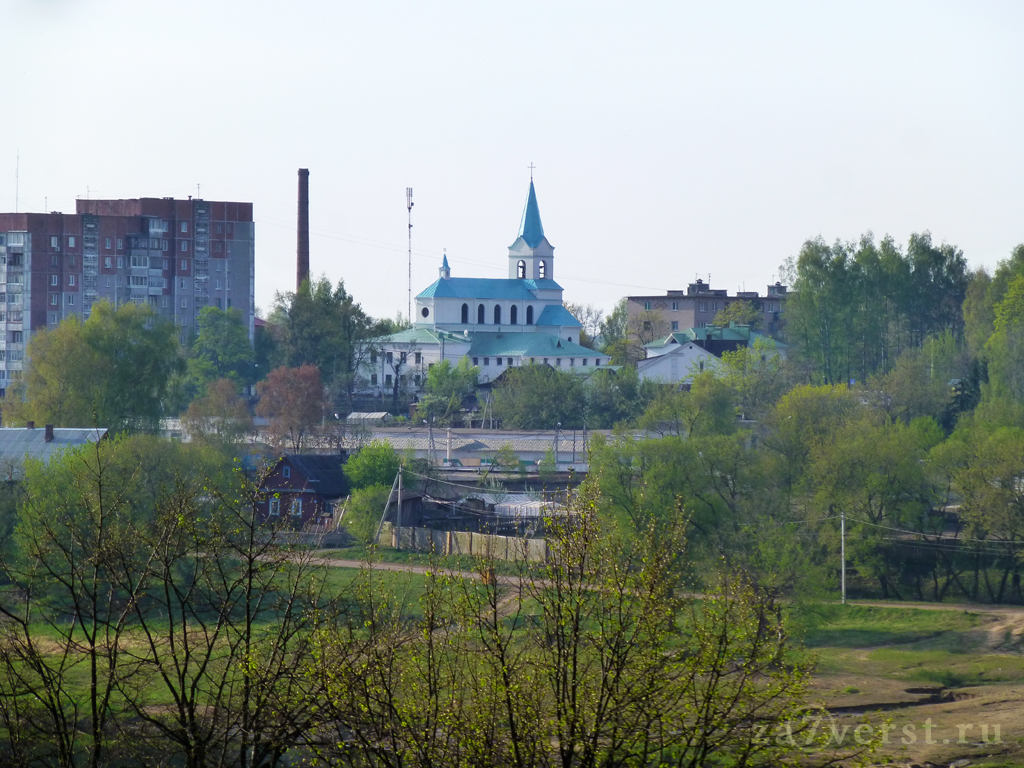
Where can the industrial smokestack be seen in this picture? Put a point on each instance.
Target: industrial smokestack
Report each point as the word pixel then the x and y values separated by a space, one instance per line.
pixel 302 254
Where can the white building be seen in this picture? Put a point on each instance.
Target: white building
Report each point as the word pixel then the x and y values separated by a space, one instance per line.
pixel 497 323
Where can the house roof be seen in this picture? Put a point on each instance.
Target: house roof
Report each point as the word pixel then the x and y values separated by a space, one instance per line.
pixel 526 345
pixel 421 336
pixel 17 444
pixel 530 228
pixel 555 314
pixel 509 289
pixel 323 471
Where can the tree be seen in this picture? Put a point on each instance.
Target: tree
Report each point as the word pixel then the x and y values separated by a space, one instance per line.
pixel 326 327
pixel 739 312
pixel 613 336
pixel 590 318
pixel 293 400
pixel 365 509
pixel 447 386
pixel 539 397
pixel 756 374
pixel 375 464
pixel 111 371
pixel 221 350
pixel 221 416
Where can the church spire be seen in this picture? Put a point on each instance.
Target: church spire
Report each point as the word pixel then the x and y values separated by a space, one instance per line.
pixel 445 270
pixel 530 228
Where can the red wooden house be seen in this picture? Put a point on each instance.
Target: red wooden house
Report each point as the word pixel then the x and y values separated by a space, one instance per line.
pixel 303 488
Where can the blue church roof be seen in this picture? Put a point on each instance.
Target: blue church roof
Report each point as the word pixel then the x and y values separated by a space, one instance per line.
pixel 487 288
pixel 530 228
pixel 554 314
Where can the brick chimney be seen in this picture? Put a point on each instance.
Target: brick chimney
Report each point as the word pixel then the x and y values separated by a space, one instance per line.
pixel 302 252
pixel 48 437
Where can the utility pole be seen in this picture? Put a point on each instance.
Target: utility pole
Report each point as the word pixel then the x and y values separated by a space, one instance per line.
pixel 408 205
pixel 842 548
pixel 398 515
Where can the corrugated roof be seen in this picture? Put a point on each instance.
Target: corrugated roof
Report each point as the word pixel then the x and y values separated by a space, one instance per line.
pixel 16 443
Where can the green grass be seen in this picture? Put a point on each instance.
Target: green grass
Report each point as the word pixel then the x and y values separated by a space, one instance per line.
pixel 854 626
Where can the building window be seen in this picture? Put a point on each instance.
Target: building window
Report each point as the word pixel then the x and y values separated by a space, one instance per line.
pixel 184 227
pixel 218 246
pixel 521 269
pixel 558 362
pixel 53 318
pixel 71 279
pixel 545 361
pixel 387 380
pixel 163 245
pixel 675 306
pixel 286 471
pixel 53 299
pixel 416 379
pixel 529 315
pixel 373 357
pixel 184 266
pixel 480 315
pixel 597 361
pixel 217 266
pixel 55 242
pixel 120 262
pixel 17 337
pixel 296 507
pixel 107 262
pixel 217 282
pixel 184 246
pixel 513 315
pixel 163 302
pixel 120 243
pixel 584 361
pixel 108 282
pixel 476 361
pixel 497 314
pixel 71 241
pixel 71 299
pixel 275 507
pixel 389 357
pixel 714 306
pixel 184 303
pixel 647 325
pixel 675 325
pixel 465 313
pixel 542 270
pixel 71 261
pixel 140 261
pixel 404 357
pixel 373 379
pixel 487 361
pixel 53 280
pixel 702 306
pixel 419 358
pixel 217 300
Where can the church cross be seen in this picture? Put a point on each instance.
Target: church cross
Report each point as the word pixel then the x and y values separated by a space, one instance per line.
pixel 531 167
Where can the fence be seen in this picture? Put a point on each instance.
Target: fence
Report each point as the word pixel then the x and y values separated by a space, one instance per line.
pixel 465 543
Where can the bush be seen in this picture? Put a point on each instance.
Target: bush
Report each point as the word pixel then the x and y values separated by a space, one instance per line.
pixel 375 464
pixel 364 511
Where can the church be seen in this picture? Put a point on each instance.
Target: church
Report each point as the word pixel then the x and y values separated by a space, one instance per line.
pixel 498 323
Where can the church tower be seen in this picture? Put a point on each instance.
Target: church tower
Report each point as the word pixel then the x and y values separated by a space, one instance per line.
pixel 531 256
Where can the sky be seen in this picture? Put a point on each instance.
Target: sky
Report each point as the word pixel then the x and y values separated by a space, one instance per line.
pixel 672 140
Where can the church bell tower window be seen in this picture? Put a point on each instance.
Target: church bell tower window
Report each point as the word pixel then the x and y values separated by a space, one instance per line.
pixel 521 269
pixel 542 270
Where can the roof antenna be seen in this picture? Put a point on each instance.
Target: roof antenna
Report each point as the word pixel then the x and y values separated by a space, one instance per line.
pixel 408 205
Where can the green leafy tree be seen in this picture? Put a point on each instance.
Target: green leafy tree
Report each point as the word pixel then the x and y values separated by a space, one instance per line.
pixel 111 371
pixel 539 397
pixel 221 350
pixel 365 508
pixel 446 387
pixel 741 313
pixel 375 464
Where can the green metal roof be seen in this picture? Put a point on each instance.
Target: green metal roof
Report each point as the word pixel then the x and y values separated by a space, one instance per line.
pixel 530 228
pixel 526 345
pixel 419 336
pixel 487 288
pixel 555 314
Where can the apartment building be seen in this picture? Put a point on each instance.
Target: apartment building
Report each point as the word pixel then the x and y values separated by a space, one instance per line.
pixel 178 256
pixel 697 306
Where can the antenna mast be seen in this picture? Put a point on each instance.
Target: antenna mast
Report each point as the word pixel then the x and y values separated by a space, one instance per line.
pixel 17 174
pixel 408 205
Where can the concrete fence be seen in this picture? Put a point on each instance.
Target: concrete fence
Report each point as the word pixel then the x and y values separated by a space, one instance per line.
pixel 464 543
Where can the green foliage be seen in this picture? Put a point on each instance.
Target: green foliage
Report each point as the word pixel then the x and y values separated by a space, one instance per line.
pixel 709 407
pixel 539 397
pixel 756 374
pixel 375 464
pixel 111 371
pixel 616 397
pixel 741 313
pixel 447 386
pixel 221 350
pixel 365 508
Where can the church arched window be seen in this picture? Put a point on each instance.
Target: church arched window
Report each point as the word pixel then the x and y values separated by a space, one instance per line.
pixel 542 269
pixel 521 269
pixel 513 315
pixel 480 314
pixel 529 315
pixel 465 313
pixel 497 314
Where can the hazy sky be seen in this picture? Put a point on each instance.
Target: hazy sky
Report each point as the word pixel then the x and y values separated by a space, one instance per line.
pixel 671 139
